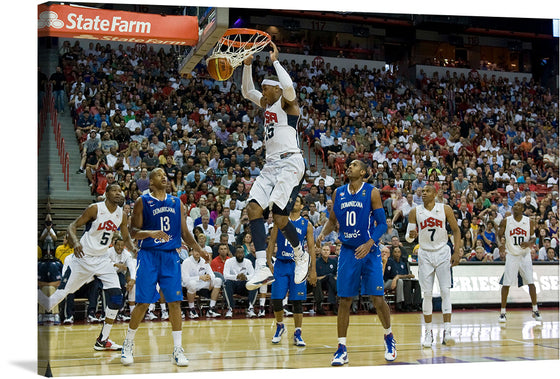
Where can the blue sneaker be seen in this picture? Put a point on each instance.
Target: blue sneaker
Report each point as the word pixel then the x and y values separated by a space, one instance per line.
pixel 298 341
pixel 390 347
pixel 280 329
pixel 340 357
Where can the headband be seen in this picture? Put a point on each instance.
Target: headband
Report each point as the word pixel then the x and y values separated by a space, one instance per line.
pixel 270 82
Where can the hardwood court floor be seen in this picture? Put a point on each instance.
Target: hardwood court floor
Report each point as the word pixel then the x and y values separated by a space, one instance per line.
pixel 222 345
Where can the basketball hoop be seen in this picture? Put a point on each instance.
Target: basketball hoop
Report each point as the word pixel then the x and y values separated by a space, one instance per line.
pixel 238 43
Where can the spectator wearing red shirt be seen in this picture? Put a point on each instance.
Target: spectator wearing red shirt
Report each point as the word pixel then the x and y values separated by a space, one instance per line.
pixel 217 264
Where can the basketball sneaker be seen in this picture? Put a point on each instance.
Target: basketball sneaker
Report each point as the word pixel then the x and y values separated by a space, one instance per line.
pixel 41 318
pixel 165 315
pixel 262 276
pixel 302 265
pixel 211 312
pixel 280 329
pixel 179 356
pixel 56 319
pixel 91 318
pixel 106 345
pixel 261 313
pixel 447 339
pixel 340 356
pixel 229 313
pixel 298 341
pixel 123 317
pixel 428 339
pixel 150 316
pixel 390 347
pixel 251 313
pixel 502 317
pixel 287 313
pixel 127 357
pixel 537 316
pixel 193 313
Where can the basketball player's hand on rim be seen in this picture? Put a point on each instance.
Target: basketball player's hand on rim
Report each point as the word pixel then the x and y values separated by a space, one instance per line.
pixel 247 61
pixel 274 52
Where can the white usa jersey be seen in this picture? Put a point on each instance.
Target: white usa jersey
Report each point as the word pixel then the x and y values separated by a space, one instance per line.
pixel 432 234
pixel 516 233
pixel 99 233
pixel 280 134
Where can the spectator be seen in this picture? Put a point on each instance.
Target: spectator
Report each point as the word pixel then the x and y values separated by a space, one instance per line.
pixel 198 278
pixel 236 273
pixel 326 280
pixel 408 297
pixel 124 264
pixel 328 180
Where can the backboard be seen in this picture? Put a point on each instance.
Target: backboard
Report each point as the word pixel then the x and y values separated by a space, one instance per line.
pixel 212 24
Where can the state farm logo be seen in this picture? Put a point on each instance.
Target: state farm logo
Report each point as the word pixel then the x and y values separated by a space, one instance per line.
pixel 49 19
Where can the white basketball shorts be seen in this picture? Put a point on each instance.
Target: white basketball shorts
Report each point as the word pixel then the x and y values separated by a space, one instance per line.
pixel 515 264
pixel 83 269
pixel 431 263
pixel 277 181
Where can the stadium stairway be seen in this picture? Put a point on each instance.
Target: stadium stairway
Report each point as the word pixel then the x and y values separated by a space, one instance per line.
pixel 63 201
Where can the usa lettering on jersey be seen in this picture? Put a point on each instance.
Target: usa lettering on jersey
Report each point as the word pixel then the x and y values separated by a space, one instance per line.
pixel 109 226
pixel 431 222
pixel 518 232
pixel 270 117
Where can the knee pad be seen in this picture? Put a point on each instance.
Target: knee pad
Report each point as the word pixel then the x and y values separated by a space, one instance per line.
pixel 298 308
pixel 427 306
pixel 277 305
pixel 114 298
pixel 445 300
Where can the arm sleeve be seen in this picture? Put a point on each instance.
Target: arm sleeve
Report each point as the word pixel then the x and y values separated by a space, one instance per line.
pixel 288 90
pixel 381 224
pixel 248 87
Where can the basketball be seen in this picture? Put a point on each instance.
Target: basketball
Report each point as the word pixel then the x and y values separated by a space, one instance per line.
pixel 219 68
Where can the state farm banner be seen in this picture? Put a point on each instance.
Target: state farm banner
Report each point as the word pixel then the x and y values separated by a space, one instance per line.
pixel 109 25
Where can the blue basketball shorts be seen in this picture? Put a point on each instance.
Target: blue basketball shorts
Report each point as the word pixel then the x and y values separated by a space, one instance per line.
pixel 284 282
pixel 359 276
pixel 161 267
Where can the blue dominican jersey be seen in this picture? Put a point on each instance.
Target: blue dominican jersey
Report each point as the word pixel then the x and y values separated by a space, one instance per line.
pixel 162 215
pixel 285 250
pixel 353 212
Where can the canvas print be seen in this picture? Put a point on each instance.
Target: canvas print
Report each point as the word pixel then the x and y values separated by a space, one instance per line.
pixel 232 189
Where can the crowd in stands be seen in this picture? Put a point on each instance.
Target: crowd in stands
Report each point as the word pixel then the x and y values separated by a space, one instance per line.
pixel 485 142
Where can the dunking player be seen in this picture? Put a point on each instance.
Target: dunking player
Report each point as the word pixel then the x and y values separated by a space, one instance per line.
pixel 434 256
pixel 90 258
pixel 281 177
pixel 357 205
pixel 519 232
pixel 283 270
pixel 158 223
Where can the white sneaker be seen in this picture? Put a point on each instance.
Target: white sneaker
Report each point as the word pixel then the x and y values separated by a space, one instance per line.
pixel 165 315
pixel 502 317
pixel 192 313
pixel 212 313
pixel 122 317
pixel 447 339
pixel 261 277
pixel 428 339
pixel 302 267
pixel 92 318
pixel 56 319
pixel 150 316
pixel 41 318
pixel 229 313
pixel 287 313
pixel 261 313
pixel 179 357
pixel 127 357
pixel 537 316
pixel 251 313
pixel 280 329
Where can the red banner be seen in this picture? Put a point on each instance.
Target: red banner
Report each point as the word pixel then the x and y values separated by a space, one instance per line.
pixel 109 25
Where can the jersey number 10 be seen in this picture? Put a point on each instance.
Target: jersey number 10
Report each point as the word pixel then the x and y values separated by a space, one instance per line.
pixel 518 240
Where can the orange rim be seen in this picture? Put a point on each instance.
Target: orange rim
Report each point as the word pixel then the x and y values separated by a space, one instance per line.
pixel 244 31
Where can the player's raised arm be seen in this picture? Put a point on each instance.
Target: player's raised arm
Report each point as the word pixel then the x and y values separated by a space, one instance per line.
pixel 329 226
pixel 89 214
pixel 247 86
pixel 286 83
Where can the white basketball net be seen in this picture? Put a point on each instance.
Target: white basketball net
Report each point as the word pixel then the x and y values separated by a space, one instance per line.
pixel 238 44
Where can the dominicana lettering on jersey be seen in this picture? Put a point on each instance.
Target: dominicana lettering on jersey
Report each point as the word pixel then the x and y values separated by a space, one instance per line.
pixel 353 214
pixel 164 215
